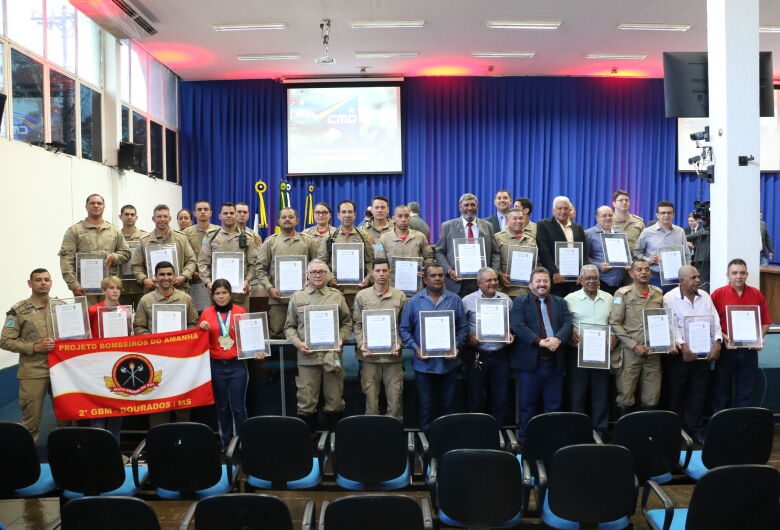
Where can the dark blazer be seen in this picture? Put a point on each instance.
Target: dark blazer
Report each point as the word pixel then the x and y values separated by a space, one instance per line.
pixel 688 230
pixel 493 220
pixel 766 241
pixel 524 321
pixel 416 223
pixel 445 250
pixel 548 231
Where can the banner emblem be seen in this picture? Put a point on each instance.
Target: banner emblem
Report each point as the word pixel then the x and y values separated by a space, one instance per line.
pixel 132 375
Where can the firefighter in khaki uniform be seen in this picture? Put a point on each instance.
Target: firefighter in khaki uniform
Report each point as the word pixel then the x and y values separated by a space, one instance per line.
pixel 385 370
pixel 242 216
pixel 513 235
pixel 131 290
pixel 286 243
pixel 198 233
pixel 322 228
pixel 379 224
pixel 318 369
pixel 402 242
pixel 632 225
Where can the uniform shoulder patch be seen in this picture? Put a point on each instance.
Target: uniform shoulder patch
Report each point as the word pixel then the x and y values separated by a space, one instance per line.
pixel 617 300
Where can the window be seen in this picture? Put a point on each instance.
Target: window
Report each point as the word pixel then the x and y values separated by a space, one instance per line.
pixel 25 24
pixel 61 34
pixel 91 121
pixel 156 89
pixel 156 148
pixel 171 106
pixel 27 94
pixel 125 124
pixel 3 109
pixel 90 51
pixel 171 162
pixel 62 101
pixel 139 137
pixel 139 73
pixel 124 69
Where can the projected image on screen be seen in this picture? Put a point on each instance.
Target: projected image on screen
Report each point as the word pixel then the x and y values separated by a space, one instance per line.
pixel 337 130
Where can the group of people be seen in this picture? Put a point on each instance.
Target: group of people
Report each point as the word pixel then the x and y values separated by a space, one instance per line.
pixel 544 315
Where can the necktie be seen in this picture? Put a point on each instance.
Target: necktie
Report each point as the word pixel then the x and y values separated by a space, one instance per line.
pixel 548 329
pixel 471 232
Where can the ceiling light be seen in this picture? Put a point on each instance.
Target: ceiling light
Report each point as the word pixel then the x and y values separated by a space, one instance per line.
pixel 523 24
pixel 654 27
pixel 769 29
pixel 269 57
pixel 367 24
pixel 249 27
pixel 615 56
pixel 524 55
pixel 383 55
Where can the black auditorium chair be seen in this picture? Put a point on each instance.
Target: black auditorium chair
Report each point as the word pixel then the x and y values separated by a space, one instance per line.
pixel 653 437
pixel 87 461
pixel 101 513
pixel 590 486
pixel 741 435
pixel 22 474
pixel 243 511
pixel 276 453
pixel 377 512
pixel 725 498
pixel 372 453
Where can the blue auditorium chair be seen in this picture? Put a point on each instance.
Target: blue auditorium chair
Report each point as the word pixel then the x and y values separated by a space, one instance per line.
pixel 653 437
pixel 21 472
pixel 243 511
pixel 377 512
pixel 100 513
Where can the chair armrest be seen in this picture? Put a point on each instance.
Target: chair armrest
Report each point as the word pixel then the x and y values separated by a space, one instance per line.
pixel 501 441
pixel 308 516
pixel 433 482
pixel 333 443
pixel 688 448
pixel 134 461
pixel 541 489
pixel 425 504
pixel 54 524
pixel 229 460
pixel 527 478
pixel 597 438
pixel 411 451
pixel 322 445
pixel 426 447
pixel 187 517
pixel 514 445
pixel 653 486
pixel 323 507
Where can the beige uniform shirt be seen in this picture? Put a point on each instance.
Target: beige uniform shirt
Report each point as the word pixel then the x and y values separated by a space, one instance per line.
pixel 370 228
pixel 632 226
pixel 83 237
pixel 196 236
pixel 280 245
pixel 505 239
pixel 369 299
pixel 294 328
pixel 25 324
pixel 314 232
pixel 254 235
pixel 142 322
pixel 626 317
pixel 131 286
pixel 184 255
pixel 530 229
pixel 353 237
pixel 416 245
pixel 222 241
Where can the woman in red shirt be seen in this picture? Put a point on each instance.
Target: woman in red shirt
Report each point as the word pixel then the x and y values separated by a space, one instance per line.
pixel 229 375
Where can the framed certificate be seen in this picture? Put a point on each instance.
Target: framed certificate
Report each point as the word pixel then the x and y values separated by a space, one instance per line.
pixel 380 335
pixel 321 327
pixel 698 334
pixel 90 270
pixel 492 319
pixel 168 317
pixel 70 319
pixel 616 251
pixel 404 275
pixel 157 253
pixel 115 321
pixel 348 264
pixel 659 335
pixel 290 274
pixel 743 323
pixel 672 258
pixel 469 256
pixel 593 348
pixel 229 266
pixel 568 259
pixel 520 261
pixel 127 270
pixel 252 335
pixel 437 333
pixel 200 296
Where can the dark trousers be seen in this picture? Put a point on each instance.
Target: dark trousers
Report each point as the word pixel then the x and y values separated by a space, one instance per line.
pixel 546 382
pixel 112 424
pixel 564 288
pixel 488 374
pixel 739 366
pixel 467 286
pixel 655 279
pixel 435 393
pixel 588 385
pixel 229 379
pixel 688 382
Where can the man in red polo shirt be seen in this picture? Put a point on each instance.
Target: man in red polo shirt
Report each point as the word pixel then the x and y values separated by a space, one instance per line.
pixel 738 364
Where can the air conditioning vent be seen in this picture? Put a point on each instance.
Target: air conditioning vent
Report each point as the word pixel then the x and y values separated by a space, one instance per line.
pixel 120 18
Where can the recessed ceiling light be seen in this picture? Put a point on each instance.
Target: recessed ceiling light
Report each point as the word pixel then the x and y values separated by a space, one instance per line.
pixel 635 57
pixel 268 57
pixel 249 27
pixel 524 55
pixel 769 29
pixel 364 24
pixel 383 55
pixel 654 27
pixel 523 24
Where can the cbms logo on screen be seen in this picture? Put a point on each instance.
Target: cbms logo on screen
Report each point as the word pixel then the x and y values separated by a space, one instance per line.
pixel 342 115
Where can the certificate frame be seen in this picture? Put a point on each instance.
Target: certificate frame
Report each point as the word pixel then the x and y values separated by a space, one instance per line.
pixel 394 260
pixel 94 289
pixel 126 309
pixel 75 301
pixel 657 312
pixel 495 301
pixel 278 260
pixel 457 242
pixel 520 248
pixel 216 257
pixel 671 280
pixel 307 310
pixel 565 244
pixel 697 319
pixel 393 330
pixel 756 310
pixel 127 269
pixel 150 264
pixel 449 314
pixel 607 258
pixel 176 308
pixel 334 257
pixel 200 296
pixel 604 362
pixel 261 353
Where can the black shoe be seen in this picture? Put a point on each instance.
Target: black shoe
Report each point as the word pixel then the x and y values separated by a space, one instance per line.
pixel 311 422
pixel 332 418
pixel 623 410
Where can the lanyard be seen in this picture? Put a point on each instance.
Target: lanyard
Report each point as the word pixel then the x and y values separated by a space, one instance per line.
pixel 224 327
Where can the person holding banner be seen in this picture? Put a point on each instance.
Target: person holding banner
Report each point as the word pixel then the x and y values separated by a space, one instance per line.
pixel 163 294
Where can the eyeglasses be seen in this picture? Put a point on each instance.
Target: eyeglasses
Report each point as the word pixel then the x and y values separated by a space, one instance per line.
pixel 318 272
pixel 590 278
pixel 666 212
pixel 321 212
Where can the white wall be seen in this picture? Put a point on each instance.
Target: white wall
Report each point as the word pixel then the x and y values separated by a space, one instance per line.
pixel 42 194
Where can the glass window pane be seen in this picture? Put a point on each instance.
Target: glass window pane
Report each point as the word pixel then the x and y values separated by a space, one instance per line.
pixel 139 137
pixel 171 163
pixel 125 124
pixel 2 68
pixel 156 146
pixel 124 69
pixel 156 82
pixel 3 110
pixel 91 139
pixel 139 72
pixel 61 33
pixel 2 20
pixel 90 50
pixel 62 90
pixel 25 23
pixel 27 94
pixel 171 101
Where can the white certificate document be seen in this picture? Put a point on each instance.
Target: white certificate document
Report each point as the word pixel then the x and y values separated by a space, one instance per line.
pixel 167 321
pixel 699 336
pixel 437 333
pixel 569 261
pixel 70 321
pixel 321 327
pixel 522 263
pixel 91 273
pixel 658 331
pixel 158 255
pixel 594 344
pixel 230 269
pixel 378 331
pixel 406 276
pixel 114 324
pixel 671 261
pixel 492 321
pixel 743 326
pixel 470 257
pixel 290 276
pixel 616 250
pixel 348 264
pixel 252 334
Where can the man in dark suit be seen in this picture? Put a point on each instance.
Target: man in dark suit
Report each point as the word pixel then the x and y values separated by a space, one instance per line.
pixel 559 227
pixel 503 202
pixel 465 226
pixel 540 322
pixel 767 250
pixel 416 222
pixel 693 224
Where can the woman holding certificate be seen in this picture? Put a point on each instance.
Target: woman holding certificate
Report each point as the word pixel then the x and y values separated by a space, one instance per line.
pixel 229 375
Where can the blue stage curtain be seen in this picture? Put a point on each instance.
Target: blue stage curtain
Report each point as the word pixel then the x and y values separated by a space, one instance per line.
pixel 536 136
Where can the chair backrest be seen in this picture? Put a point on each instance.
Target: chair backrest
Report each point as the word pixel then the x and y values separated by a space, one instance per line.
pixel 242 511
pixel 377 512
pixel 370 449
pixel 546 433
pixel 479 487
pixel 276 448
pixel 117 513
pixel 592 483
pixel 738 436
pixel 183 457
pixel 85 460
pixel 729 497
pixel 463 431
pixel 18 458
pixel 653 438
